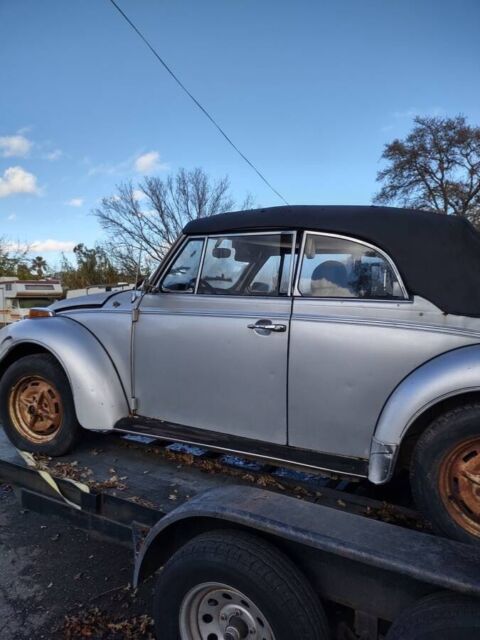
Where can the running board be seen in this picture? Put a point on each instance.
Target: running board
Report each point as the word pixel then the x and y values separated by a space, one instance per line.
pixel 277 453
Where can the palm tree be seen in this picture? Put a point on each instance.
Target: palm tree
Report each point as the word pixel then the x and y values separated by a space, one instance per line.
pixel 39 265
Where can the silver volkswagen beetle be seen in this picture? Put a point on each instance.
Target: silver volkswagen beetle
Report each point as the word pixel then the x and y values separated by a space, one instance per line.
pixel 344 339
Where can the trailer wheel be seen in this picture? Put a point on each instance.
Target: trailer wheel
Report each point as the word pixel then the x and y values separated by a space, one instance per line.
pixel 445 473
pixel 440 616
pixel 229 585
pixel 36 406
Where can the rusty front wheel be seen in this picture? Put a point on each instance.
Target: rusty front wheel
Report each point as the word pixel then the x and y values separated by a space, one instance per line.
pixel 459 481
pixel 36 406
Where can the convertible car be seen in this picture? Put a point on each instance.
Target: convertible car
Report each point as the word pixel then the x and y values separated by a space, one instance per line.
pixel 344 339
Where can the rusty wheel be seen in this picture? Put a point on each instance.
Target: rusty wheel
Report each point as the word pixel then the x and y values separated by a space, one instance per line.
pixel 459 481
pixel 445 473
pixel 36 408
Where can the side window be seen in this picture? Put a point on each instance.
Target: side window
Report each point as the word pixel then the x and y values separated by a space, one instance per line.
pixel 339 268
pixel 182 275
pixel 250 264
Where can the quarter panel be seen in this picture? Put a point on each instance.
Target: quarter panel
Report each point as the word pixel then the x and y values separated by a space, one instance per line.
pixel 346 358
pixel 447 375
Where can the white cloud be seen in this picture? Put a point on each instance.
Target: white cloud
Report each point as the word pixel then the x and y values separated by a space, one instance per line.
pixel 75 202
pixel 17 180
pixel 51 245
pixel 53 155
pixel 149 162
pixel 12 216
pixel 16 145
pixel 138 194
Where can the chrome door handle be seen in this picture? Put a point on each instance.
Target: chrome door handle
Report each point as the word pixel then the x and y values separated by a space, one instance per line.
pixel 268 326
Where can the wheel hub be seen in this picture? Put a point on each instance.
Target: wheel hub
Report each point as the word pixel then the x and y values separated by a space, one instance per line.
pixel 212 611
pixel 459 481
pixel 35 408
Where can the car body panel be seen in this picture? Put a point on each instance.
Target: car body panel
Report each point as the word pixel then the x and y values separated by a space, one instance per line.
pixel 197 363
pixel 112 326
pixel 453 373
pixel 347 357
pixel 99 397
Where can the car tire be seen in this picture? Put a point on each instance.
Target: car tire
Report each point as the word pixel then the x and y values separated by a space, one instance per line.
pixel 440 616
pixel 445 473
pixel 36 406
pixel 230 584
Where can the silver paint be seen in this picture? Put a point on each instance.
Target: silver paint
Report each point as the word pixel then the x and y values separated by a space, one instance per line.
pixel 97 392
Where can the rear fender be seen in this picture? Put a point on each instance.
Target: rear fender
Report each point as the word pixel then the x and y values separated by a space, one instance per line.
pixel 99 397
pixel 451 374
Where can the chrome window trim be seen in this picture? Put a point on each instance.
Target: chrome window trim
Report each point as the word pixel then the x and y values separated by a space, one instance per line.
pixel 298 293
pixel 274 232
pixel 176 250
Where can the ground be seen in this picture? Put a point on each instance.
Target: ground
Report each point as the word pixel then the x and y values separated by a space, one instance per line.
pixel 58 582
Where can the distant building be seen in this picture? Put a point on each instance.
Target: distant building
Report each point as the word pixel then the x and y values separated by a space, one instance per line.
pixel 18 296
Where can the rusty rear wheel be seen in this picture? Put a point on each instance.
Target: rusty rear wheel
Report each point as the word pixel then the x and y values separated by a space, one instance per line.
pixel 445 473
pixel 459 480
pixel 36 406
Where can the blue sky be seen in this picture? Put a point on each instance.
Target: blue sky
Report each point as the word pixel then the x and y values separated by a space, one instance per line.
pixel 310 91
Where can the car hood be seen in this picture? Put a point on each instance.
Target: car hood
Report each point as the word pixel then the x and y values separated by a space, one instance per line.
pixel 87 302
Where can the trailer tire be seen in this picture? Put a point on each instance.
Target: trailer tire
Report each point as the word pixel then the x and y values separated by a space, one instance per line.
pixel 36 406
pixel 233 584
pixel 440 616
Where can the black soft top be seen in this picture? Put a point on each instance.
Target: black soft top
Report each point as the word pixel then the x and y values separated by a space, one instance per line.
pixel 438 256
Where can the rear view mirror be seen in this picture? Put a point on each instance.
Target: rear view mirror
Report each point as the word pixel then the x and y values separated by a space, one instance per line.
pixel 219 252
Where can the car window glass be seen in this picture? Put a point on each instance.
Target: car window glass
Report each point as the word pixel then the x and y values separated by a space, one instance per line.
pixel 339 268
pixel 255 264
pixel 182 275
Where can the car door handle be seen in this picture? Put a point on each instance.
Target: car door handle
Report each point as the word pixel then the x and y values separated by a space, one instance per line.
pixel 268 326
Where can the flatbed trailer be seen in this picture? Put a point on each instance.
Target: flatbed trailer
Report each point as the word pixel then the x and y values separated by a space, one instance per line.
pixel 355 563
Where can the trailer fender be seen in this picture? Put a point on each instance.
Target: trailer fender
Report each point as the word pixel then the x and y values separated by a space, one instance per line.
pixel 298 524
pixel 453 373
pixel 99 397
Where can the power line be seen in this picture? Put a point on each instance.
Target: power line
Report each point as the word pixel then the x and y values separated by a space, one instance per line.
pixel 192 97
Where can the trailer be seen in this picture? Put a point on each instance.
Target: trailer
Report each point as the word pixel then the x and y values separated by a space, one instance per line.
pixel 240 549
pixel 17 297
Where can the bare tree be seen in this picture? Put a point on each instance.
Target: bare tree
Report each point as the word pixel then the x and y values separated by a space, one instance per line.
pixel 149 217
pixel 436 167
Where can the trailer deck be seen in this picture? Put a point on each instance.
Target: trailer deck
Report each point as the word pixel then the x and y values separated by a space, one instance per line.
pixel 370 557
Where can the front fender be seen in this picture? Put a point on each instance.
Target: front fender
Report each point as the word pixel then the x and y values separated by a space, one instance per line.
pixel 447 375
pixel 99 398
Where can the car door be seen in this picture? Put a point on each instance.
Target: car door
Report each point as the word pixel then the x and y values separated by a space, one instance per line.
pixel 355 334
pixel 210 347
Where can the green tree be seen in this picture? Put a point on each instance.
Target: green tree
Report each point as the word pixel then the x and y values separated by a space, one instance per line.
pixel 39 266
pixel 11 257
pixel 436 167
pixel 93 267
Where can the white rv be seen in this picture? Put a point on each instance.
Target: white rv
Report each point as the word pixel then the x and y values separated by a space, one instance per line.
pixel 18 296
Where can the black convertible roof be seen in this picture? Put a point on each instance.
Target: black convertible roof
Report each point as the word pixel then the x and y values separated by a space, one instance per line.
pixel 438 256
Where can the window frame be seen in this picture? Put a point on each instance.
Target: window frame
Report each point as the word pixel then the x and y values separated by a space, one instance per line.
pixel 206 238
pixel 176 251
pixel 363 243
